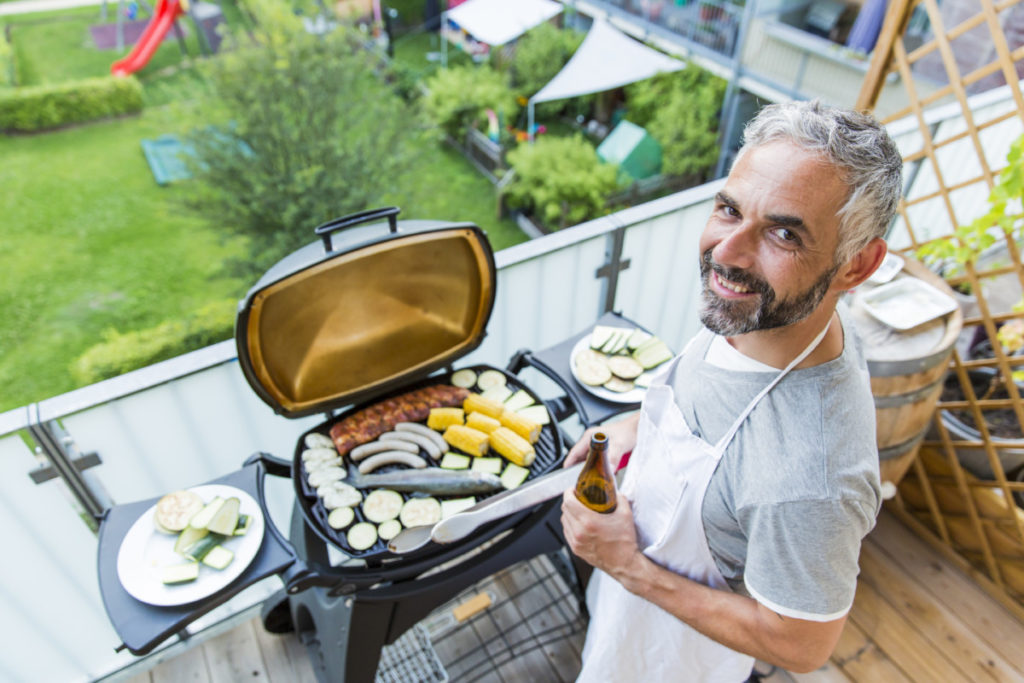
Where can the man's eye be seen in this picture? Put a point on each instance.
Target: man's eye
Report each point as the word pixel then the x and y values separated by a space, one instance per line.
pixel 730 210
pixel 787 235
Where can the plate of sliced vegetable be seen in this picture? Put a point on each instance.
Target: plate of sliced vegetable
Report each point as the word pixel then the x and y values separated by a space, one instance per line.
pixel 616 363
pixel 190 544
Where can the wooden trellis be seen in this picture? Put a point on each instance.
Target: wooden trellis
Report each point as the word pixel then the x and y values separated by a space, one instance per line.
pixel 973 520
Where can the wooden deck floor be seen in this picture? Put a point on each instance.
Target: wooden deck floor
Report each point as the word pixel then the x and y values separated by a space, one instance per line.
pixel 916 617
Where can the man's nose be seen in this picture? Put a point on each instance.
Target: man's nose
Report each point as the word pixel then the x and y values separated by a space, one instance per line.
pixel 736 247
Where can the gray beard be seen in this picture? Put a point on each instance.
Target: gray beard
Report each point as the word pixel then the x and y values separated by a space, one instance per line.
pixel 730 318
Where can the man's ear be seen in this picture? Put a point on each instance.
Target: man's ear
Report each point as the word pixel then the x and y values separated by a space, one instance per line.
pixel 862 265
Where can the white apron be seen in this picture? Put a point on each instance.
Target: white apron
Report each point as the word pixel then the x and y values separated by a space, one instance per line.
pixel 630 638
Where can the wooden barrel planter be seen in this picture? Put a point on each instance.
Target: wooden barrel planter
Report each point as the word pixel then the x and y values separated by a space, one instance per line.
pixel 907 371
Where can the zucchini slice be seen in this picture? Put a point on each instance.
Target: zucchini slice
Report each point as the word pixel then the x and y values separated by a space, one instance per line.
pixel 362 535
pixel 600 336
pixel 498 393
pixel 389 529
pixel 381 505
pixel 489 379
pixel 455 505
pixel 514 475
pixel 201 548
pixel 339 518
pixel 203 517
pixel 219 557
pixel 180 573
pixel 420 512
pixel 454 461
pixel 244 521
pixel 518 400
pixel 537 413
pixel 490 465
pixel 188 538
pixel 464 378
pixel 226 520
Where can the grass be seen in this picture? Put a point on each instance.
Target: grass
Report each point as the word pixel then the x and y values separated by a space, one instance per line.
pixel 93 244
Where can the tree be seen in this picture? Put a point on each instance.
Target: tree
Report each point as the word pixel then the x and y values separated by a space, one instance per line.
pixel 459 96
pixel 561 180
pixel 301 130
pixel 680 110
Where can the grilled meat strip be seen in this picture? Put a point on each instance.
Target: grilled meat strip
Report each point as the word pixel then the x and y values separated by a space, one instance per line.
pixel 370 422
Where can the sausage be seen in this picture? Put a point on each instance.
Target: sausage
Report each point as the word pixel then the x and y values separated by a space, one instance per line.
pixel 367 424
pixel 417 428
pixel 391 458
pixel 419 441
pixel 360 452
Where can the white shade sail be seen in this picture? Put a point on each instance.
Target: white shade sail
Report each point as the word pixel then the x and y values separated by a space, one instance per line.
pixel 497 22
pixel 606 59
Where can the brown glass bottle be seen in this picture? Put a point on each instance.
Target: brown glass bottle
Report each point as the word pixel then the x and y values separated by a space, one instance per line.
pixel 595 487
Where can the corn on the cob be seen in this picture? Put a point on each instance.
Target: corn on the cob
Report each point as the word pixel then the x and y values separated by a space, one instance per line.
pixel 484 423
pixel 524 427
pixel 442 418
pixel 477 403
pixel 467 439
pixel 512 446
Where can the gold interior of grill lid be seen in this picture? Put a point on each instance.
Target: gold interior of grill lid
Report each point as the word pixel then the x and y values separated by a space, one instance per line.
pixel 369 316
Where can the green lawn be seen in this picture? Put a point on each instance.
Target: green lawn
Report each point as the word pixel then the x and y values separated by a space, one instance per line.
pixel 92 244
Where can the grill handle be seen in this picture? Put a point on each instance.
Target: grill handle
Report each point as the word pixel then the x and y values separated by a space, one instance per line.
pixel 353 219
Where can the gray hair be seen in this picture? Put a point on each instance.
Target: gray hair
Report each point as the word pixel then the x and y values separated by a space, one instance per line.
pixel 857 145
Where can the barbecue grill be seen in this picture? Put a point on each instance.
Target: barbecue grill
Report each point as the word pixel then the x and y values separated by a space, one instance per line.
pixel 373 313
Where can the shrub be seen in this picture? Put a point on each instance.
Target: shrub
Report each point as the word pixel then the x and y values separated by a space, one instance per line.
pixel 302 131
pixel 121 353
pixel 49 106
pixel 7 74
pixel 459 97
pixel 680 110
pixel 561 180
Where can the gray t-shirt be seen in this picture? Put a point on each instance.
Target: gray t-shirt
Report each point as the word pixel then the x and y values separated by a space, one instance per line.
pixel 797 489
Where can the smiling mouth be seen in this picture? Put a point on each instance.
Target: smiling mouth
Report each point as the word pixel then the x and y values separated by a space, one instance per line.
pixel 732 286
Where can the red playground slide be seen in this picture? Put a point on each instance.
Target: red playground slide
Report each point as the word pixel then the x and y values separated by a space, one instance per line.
pixel 166 12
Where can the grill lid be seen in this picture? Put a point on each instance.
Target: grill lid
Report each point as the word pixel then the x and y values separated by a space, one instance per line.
pixel 365 312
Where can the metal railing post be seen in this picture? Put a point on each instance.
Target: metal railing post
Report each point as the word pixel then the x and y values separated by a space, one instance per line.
pixel 614 265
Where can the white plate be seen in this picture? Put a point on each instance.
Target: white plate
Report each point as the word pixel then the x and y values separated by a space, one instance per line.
pixel 907 303
pixel 632 396
pixel 145 552
pixel 891 265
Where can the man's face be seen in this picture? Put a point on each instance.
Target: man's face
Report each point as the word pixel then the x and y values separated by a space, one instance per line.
pixel 768 249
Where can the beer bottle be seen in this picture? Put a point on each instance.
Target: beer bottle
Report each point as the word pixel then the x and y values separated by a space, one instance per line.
pixel 595 487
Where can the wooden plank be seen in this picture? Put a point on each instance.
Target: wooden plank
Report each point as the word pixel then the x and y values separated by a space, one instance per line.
pixel 190 666
pixel 951 588
pixel 235 655
pixel 860 659
pixel 897 636
pixel 285 658
pixel 943 629
pixel 548 608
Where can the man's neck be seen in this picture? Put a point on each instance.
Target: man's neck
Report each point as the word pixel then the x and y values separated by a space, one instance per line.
pixel 778 347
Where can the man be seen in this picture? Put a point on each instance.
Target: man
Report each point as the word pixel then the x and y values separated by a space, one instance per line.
pixel 754 473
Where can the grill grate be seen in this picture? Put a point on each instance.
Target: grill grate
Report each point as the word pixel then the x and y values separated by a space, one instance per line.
pixel 548 455
pixel 533 624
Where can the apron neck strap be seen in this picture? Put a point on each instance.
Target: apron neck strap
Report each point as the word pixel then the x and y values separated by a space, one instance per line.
pixel 727 437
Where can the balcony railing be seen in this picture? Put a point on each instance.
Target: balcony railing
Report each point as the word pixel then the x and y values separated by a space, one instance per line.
pixel 193 418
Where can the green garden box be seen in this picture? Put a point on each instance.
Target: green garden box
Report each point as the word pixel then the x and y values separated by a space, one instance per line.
pixel 637 154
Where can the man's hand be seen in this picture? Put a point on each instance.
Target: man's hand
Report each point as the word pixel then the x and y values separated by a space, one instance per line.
pixel 606 541
pixel 621 440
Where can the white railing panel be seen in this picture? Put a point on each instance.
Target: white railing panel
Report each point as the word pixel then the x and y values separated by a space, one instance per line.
pixel 181 433
pixel 660 288
pixel 545 299
pixel 54 626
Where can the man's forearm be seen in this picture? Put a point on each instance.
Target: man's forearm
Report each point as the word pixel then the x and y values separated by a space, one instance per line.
pixel 736 621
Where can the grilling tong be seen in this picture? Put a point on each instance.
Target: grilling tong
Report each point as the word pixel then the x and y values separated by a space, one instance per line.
pixel 462 524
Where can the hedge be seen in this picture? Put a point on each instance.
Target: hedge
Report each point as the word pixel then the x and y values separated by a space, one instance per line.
pixel 121 353
pixel 6 59
pixel 40 107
